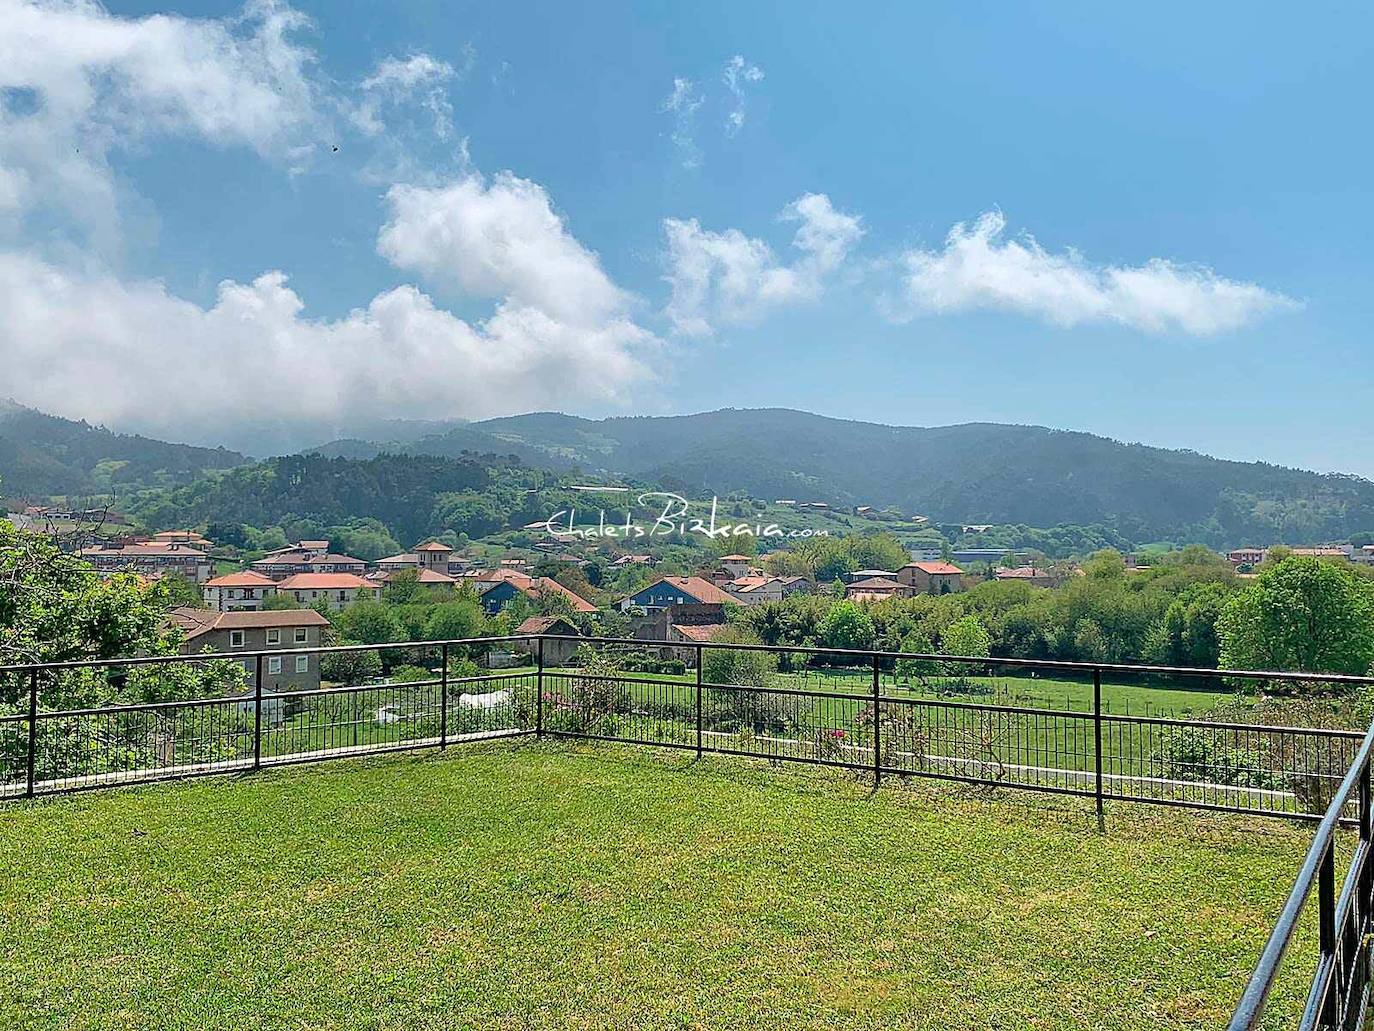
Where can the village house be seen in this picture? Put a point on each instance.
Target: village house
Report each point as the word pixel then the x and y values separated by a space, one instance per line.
pixel 556 653
pixel 755 590
pixel 875 588
pixel 735 566
pixel 192 537
pixel 931 577
pixel 431 579
pixel 502 586
pixel 241 591
pixel 431 555
pixel 869 574
pixel 687 625
pixel 307 557
pixel 150 559
pixel 1036 576
pixel 229 632
pixel 676 590
pixel 336 590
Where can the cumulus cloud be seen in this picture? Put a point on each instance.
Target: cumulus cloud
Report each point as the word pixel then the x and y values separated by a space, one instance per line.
pixel 132 354
pixel 730 277
pixel 77 82
pixel 498 238
pixel 738 73
pixel 397 81
pixel 979 268
pixel 682 104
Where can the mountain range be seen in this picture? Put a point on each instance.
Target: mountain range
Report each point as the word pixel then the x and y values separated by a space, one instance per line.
pixel 971 473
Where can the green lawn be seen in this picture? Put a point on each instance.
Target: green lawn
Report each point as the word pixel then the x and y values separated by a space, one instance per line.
pixel 538 885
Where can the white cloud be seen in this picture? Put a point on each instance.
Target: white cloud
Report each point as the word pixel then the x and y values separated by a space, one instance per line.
pixel 498 239
pixel 729 277
pixel 134 355
pixel 738 73
pixel 978 268
pixel 682 104
pixel 93 82
pixel 396 82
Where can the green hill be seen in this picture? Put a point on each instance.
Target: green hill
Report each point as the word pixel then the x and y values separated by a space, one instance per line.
pixel 973 473
pixel 44 455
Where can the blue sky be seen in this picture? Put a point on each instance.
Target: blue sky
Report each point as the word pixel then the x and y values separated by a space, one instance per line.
pixel 519 216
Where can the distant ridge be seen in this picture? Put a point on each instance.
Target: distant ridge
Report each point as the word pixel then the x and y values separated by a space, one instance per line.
pixel 975 472
pixel 42 454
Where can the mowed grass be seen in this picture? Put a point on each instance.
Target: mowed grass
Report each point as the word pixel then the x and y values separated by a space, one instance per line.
pixel 546 886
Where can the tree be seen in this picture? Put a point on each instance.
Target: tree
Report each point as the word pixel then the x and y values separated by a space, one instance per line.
pixel 917 642
pixel 1300 614
pixel 455 620
pixel 368 622
pixel 967 637
pixel 404 587
pixel 847 626
pixel 350 668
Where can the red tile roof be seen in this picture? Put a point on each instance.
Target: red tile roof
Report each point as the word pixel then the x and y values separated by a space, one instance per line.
pixel 874 584
pixel 548 583
pixel 934 568
pixel 433 546
pixel 702 590
pixel 702 632
pixel 324 582
pixel 544 625
pixel 243 578
pixel 256 620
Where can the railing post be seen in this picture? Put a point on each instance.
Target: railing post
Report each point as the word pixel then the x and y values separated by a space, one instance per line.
pixel 1326 900
pixel 1097 740
pixel 698 701
pixel 443 697
pixel 257 714
pixel 32 762
pixel 877 722
pixel 539 692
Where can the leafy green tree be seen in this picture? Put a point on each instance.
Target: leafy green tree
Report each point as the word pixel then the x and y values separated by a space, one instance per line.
pixel 454 620
pixel 917 642
pixel 279 600
pixel 404 587
pixel 967 637
pixel 350 668
pixel 368 622
pixel 1300 614
pixel 847 626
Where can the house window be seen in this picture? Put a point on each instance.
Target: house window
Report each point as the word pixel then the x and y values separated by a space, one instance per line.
pixel 274 637
pixel 235 638
pixel 302 663
pixel 300 635
pixel 248 665
pixel 274 664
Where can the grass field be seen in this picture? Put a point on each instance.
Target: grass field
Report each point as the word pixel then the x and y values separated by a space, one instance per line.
pixel 559 887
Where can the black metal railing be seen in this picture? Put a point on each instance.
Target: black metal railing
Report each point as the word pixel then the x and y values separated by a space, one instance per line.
pixel 1339 995
pixel 880 714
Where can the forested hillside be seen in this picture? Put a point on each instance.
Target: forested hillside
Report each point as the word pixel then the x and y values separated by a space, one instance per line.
pixel 974 473
pixel 43 455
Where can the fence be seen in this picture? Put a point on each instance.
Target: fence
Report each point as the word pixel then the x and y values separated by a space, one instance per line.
pixel 880 714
